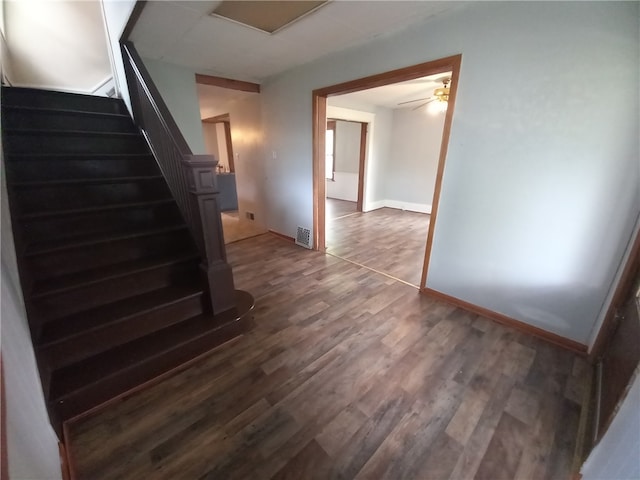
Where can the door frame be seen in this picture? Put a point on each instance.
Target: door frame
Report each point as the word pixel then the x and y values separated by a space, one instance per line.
pixel 319 98
pixel 362 156
pixel 225 120
pixel 364 127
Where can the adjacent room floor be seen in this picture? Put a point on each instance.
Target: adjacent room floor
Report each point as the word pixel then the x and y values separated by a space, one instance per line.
pixel 235 228
pixel 387 240
pixel 346 374
pixel 336 208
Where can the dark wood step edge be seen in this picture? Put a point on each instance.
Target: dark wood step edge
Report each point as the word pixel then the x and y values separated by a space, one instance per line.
pixel 86 181
pixel 161 263
pixel 120 319
pixel 217 327
pixel 69 133
pixel 104 239
pixel 64 111
pixel 101 208
pixel 40 156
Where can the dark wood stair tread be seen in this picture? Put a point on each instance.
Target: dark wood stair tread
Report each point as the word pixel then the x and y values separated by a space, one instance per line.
pixel 10 92
pixel 80 323
pixel 64 283
pixel 86 181
pixel 65 111
pixel 111 206
pixel 114 286
pixel 68 243
pixel 117 361
pixel 69 133
pixel 40 156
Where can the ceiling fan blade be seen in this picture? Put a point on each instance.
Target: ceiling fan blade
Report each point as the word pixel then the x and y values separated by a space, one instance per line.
pixel 416 100
pixel 423 104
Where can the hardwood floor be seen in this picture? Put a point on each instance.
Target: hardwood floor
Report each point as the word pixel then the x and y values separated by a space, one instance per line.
pixel 339 208
pixel 346 374
pixel 235 228
pixel 387 240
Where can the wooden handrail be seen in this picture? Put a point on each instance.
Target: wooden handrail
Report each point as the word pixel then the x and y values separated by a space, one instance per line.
pixel 192 179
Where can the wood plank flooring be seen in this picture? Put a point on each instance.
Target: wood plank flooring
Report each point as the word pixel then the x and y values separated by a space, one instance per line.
pixel 387 240
pixel 339 208
pixel 235 228
pixel 346 374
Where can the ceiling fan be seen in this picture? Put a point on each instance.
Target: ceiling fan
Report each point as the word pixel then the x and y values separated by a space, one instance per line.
pixel 440 95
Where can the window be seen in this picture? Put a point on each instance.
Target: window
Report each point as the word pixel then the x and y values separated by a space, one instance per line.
pixel 330 150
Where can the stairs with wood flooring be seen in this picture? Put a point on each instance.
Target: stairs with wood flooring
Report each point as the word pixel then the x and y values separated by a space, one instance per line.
pixel 109 269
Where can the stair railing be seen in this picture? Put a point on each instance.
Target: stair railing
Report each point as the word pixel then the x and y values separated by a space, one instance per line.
pixel 192 179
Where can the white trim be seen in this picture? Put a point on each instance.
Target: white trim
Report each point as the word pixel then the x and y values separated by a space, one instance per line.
pixel 112 60
pixel 56 88
pixel 101 83
pixel 52 87
pixel 411 207
pixel 375 205
pixel 104 86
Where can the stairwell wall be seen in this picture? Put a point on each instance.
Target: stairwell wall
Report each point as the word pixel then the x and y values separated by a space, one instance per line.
pixel 116 13
pixel 57 45
pixel 31 442
pixel 177 85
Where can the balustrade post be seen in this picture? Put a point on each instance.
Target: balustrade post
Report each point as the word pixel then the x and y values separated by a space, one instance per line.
pixel 203 187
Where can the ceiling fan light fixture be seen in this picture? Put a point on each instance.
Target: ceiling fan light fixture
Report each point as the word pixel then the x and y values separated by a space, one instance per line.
pixel 441 92
pixel 437 107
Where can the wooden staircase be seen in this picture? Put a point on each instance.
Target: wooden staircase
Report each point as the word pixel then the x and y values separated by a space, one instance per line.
pixel 110 272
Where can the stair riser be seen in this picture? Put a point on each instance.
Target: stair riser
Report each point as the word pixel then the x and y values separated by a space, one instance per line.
pixel 25 170
pixel 48 99
pixel 109 222
pixel 100 255
pixel 19 142
pixel 68 121
pixel 107 388
pixel 94 295
pixel 70 197
pixel 82 346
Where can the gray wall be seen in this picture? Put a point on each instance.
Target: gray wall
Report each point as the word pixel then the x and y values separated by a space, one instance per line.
pixel 413 159
pixel 347 147
pixel 541 189
pixel 177 85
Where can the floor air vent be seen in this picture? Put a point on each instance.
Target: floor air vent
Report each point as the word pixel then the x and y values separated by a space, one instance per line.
pixel 303 237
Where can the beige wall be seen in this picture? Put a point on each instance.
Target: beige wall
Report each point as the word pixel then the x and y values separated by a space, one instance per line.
pixel 59 45
pixel 247 140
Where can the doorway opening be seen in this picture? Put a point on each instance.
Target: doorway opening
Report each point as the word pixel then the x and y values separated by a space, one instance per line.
pixel 228 109
pixel 410 262
pixel 345 153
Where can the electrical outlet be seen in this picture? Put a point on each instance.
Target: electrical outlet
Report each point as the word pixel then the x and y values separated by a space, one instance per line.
pixel 250 215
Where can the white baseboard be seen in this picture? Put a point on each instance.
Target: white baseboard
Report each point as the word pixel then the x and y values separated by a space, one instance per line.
pixel 96 90
pixel 103 87
pixel 374 205
pixel 411 207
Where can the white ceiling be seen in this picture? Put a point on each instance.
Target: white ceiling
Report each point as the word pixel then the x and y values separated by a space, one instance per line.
pixel 390 96
pixel 183 33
